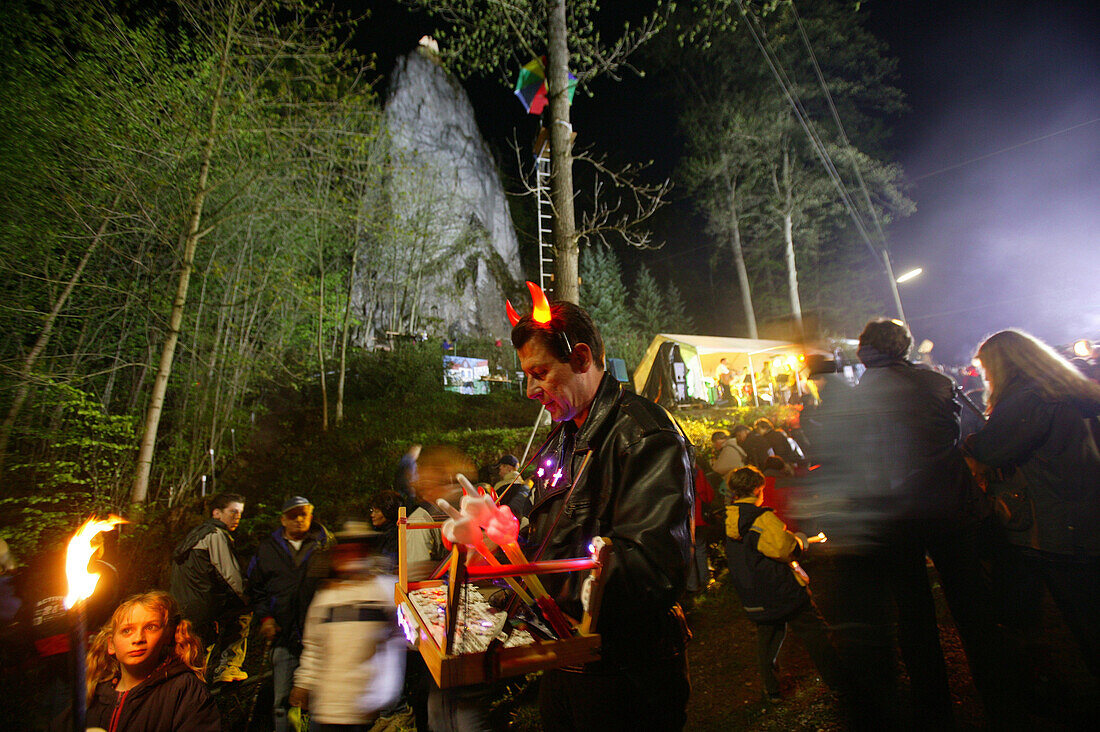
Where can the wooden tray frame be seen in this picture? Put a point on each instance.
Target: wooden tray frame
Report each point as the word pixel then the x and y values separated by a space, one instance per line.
pixel 450 670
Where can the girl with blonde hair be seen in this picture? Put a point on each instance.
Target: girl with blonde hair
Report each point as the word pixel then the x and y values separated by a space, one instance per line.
pixel 145 671
pixel 1042 433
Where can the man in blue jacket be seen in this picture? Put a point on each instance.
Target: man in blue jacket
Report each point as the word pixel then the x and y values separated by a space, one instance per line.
pixel 283 576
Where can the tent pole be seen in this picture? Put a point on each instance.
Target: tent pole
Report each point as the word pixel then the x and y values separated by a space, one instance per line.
pixel 752 375
pixel 538 421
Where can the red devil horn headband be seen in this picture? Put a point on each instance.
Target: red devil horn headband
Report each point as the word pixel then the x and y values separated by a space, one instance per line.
pixel 540 312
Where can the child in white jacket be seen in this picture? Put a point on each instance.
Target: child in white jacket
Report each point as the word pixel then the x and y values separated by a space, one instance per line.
pixel 353 653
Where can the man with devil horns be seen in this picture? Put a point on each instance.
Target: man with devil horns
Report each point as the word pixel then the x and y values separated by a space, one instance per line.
pixel 626 475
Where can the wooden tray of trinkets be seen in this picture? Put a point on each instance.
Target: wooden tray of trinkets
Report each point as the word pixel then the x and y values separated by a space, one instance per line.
pixel 462 638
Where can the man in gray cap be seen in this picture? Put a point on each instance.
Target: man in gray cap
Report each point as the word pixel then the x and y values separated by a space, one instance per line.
pixel 283 576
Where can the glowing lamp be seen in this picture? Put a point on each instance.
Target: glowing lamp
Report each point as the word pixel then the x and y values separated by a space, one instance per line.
pixel 910 275
pixel 82 583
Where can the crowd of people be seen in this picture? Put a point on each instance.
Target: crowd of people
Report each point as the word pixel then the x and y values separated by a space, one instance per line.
pixel 891 488
pixel 879 470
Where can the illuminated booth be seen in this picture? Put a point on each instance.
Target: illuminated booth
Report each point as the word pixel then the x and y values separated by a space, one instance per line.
pixel 699 356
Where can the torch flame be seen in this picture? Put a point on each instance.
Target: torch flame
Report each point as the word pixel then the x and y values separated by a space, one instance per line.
pixel 540 312
pixel 82 583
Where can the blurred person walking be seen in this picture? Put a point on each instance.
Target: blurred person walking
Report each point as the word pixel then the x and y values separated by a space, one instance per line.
pixel 353 653
pixel 773 587
pixel 911 495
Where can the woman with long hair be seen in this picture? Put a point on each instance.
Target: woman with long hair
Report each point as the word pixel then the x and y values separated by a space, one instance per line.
pixel 145 671
pixel 1043 423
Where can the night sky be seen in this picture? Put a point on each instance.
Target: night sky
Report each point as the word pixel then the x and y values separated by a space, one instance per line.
pixel 1007 227
pixel 1001 147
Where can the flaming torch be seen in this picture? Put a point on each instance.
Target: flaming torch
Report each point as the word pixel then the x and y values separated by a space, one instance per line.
pixel 82 584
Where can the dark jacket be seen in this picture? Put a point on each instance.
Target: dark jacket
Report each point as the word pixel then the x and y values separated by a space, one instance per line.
pixel 206 575
pixel 759 550
pixel 636 490
pixel 756 448
pixel 283 581
pixel 1054 445
pixel 908 448
pixel 778 445
pixel 172 699
pixel 387 544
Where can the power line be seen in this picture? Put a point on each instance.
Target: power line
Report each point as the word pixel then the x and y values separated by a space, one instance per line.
pixel 1010 148
pixel 839 126
pixel 783 80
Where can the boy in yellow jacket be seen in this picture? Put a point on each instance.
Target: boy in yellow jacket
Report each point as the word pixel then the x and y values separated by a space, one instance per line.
pixel 762 556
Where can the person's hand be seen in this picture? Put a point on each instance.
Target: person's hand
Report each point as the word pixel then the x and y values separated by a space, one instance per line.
pixel 269 629
pixel 299 697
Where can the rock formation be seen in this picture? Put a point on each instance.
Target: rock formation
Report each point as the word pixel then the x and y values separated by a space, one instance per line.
pixel 452 255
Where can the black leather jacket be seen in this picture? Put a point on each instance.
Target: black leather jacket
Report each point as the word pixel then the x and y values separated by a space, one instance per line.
pixel 636 489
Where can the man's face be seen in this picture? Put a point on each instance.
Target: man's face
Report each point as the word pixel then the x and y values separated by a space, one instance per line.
pixel 296 522
pixel 740 436
pixel 719 443
pixel 553 383
pixel 230 515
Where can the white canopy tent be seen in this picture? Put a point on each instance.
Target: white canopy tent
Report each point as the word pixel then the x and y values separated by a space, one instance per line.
pixel 701 355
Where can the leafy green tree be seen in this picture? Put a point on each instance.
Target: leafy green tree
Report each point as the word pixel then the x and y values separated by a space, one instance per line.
pixel 73 131
pixel 678 319
pixel 650 309
pixel 272 69
pixel 604 296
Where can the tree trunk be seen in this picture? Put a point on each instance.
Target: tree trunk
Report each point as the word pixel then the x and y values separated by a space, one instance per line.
pixel 140 489
pixel 321 347
pixel 566 285
pixel 788 238
pixel 739 261
pixel 344 340
pixel 24 378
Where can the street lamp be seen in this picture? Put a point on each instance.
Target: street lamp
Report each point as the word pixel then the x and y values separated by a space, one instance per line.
pixel 909 275
pixel 894 283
